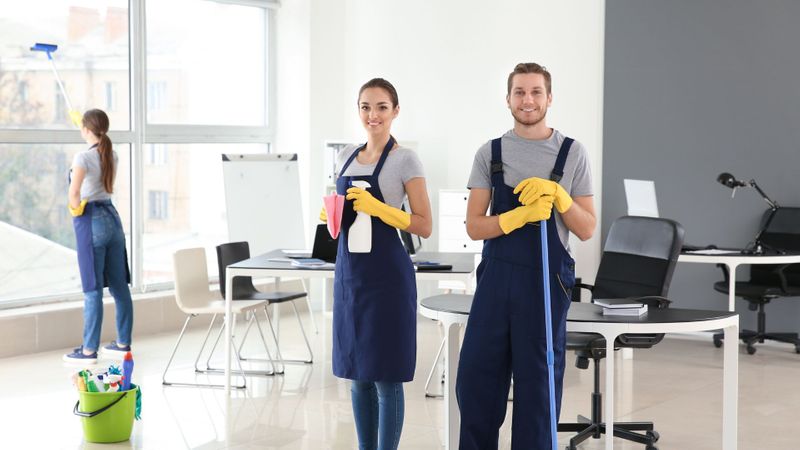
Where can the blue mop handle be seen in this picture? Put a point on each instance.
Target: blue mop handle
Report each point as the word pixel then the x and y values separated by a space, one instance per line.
pixel 548 326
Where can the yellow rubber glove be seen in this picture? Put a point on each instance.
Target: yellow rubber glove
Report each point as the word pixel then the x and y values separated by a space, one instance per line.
pixel 77 211
pixel 532 188
pixel 76 117
pixel 323 216
pixel 540 209
pixel 364 202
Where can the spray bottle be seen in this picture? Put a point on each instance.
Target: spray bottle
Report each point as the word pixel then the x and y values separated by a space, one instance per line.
pixel 359 238
pixel 127 371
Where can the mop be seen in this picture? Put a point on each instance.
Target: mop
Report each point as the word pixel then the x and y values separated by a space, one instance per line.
pixel 75 116
pixel 548 326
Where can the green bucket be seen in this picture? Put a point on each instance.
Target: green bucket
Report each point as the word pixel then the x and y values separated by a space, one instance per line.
pixel 107 416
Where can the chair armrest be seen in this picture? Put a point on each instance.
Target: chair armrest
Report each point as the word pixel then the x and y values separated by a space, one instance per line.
pixel 588 287
pixel 779 271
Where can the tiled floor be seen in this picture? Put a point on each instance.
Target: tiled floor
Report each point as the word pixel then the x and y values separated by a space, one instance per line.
pixel 677 384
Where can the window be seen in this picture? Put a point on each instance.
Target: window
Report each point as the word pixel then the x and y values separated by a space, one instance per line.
pixel 93 42
pixel 111 96
pixel 191 185
pixel 36 234
pixel 158 205
pixel 228 89
pixel 156 154
pixel 201 91
pixel 156 95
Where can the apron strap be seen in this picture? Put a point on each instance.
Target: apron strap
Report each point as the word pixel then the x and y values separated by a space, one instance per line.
pixel 558 169
pixel 381 161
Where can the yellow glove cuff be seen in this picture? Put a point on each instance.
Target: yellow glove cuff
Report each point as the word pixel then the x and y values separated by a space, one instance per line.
pixel 323 216
pixel 394 217
pixel 77 211
pixel 510 220
pixel 562 200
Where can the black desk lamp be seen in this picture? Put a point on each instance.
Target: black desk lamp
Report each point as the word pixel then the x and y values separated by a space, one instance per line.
pixel 756 247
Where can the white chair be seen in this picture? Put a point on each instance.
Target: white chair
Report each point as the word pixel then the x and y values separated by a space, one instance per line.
pixel 193 296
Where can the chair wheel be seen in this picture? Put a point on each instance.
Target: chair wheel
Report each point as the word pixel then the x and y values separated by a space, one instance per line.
pixel 650 447
pixel 751 350
pixel 654 436
pixel 717 342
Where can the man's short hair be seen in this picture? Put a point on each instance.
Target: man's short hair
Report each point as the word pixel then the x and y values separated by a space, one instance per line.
pixel 530 68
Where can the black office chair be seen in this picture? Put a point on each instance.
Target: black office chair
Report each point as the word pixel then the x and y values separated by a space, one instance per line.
pixel 243 289
pixel 768 282
pixel 638 261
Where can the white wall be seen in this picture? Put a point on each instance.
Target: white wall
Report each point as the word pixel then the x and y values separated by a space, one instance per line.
pixel 449 61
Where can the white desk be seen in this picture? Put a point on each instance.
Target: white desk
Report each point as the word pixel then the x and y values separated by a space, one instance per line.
pixel 588 318
pixel 261 266
pixel 734 260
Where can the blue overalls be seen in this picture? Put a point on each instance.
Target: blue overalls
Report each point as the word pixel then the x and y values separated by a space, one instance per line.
pixel 505 333
pixel 375 297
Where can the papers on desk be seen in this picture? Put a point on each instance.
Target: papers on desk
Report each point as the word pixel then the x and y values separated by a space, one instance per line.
pixel 714 251
pixel 621 306
pixel 310 263
pixel 300 253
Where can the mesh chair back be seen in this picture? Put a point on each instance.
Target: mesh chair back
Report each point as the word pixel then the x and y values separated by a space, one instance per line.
pixel 232 253
pixel 639 258
pixel 783 233
pixel 191 279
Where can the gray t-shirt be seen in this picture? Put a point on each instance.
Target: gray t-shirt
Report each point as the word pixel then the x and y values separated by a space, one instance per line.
pixel 401 165
pixel 525 158
pixel 92 188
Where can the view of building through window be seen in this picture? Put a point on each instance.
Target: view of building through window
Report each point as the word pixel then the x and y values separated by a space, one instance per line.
pixel 193 78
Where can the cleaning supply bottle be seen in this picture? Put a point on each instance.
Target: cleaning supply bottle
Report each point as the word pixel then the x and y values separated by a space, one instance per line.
pixel 359 238
pixel 127 371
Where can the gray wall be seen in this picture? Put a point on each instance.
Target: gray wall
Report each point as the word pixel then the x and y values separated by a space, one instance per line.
pixel 692 89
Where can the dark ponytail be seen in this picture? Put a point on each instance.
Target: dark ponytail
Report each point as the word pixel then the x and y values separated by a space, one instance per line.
pixel 96 121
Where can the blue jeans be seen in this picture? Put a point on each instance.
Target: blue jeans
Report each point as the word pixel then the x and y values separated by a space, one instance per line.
pixel 378 409
pixel 108 243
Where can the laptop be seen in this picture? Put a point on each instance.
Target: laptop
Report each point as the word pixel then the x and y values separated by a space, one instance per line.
pixel 324 245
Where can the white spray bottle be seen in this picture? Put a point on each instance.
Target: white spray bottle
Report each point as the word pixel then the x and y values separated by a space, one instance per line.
pixel 359 238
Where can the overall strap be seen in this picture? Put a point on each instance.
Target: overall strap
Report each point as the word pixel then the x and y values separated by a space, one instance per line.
pixel 496 168
pixel 497 164
pixel 558 169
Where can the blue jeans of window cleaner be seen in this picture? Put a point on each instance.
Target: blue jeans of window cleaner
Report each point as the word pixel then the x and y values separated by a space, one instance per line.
pixel 108 243
pixel 378 409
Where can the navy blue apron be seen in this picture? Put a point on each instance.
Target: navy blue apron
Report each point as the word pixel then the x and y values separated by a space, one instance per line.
pixel 374 297
pixel 505 333
pixel 83 237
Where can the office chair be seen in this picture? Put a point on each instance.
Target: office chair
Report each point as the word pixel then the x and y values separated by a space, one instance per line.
pixel 194 298
pixel 638 261
pixel 243 289
pixel 768 282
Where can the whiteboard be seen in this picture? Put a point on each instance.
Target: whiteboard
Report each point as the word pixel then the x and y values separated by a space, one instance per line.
pixel 262 200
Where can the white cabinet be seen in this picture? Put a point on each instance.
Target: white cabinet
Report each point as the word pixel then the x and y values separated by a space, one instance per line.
pixel 452 223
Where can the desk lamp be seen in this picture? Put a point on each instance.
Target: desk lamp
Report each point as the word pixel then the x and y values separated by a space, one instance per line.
pixel 757 247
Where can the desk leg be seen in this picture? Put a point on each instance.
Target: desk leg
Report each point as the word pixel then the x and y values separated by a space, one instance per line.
pixel 228 329
pixel 730 387
pixel 452 416
pixel 732 293
pixel 609 394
